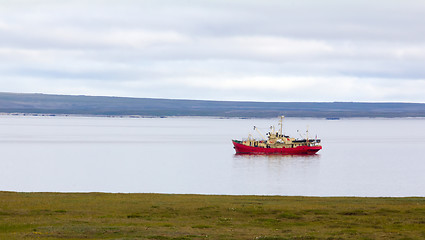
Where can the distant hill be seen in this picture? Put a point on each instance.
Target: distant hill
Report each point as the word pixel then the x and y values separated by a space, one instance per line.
pixel 115 106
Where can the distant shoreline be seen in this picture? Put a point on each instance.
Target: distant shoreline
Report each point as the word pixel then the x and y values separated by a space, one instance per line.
pixel 191 117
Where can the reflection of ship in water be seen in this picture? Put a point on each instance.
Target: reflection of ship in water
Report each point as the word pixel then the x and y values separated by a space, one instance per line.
pixel 281 166
pixel 277 143
pixel 276 156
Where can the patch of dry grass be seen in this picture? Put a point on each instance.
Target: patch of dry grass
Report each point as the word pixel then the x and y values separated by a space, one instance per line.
pixel 162 216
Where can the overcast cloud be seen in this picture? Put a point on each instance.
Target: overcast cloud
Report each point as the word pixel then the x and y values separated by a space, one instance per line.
pixel 291 50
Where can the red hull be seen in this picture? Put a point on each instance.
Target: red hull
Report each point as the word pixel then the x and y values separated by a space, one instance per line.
pixel 240 148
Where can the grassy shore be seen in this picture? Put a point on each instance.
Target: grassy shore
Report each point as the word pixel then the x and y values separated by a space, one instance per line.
pixel 162 216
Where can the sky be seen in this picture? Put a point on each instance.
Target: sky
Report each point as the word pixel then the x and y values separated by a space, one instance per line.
pixel 244 50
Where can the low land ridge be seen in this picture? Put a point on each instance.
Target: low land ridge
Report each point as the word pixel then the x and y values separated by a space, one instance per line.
pixel 119 106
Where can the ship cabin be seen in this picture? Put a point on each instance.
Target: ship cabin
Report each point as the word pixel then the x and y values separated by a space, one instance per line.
pixel 276 139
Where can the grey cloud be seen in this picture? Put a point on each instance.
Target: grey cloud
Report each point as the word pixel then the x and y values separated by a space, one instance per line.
pixel 171 49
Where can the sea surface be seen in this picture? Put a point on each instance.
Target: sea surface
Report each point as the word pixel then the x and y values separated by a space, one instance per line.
pixel 360 157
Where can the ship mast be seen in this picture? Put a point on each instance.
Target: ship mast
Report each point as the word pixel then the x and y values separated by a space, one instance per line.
pixel 307 134
pixel 281 125
pixel 255 128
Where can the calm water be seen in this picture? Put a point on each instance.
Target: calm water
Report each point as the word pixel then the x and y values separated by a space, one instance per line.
pixel 360 157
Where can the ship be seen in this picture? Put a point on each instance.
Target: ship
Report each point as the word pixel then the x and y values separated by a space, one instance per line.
pixel 277 143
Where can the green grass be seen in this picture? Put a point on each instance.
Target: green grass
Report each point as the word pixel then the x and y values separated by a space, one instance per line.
pixel 160 216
